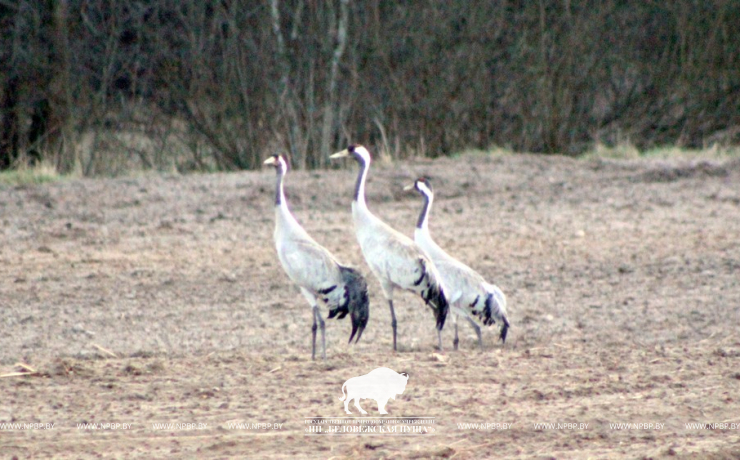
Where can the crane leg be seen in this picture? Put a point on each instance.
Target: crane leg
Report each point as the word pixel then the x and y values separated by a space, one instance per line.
pixel 393 323
pixel 476 328
pixel 313 334
pixel 322 326
pixel 456 340
pixel 318 323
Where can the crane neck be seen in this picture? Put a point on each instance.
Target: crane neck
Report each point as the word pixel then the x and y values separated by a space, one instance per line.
pixel 279 194
pixel 423 222
pixel 360 185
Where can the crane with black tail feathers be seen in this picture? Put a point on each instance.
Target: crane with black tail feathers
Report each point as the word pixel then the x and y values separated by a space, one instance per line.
pixel 469 294
pixel 316 271
pixel 393 258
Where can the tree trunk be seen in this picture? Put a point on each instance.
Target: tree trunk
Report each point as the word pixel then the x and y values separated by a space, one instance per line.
pixel 11 124
pixel 59 124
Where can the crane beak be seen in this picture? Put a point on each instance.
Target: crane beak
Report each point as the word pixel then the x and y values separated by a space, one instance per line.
pixel 269 161
pixel 342 154
pixel 409 187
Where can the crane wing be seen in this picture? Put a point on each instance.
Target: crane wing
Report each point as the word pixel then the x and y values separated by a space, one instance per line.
pixel 464 285
pixel 309 265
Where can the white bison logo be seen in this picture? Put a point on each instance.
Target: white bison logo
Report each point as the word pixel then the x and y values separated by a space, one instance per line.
pixel 381 385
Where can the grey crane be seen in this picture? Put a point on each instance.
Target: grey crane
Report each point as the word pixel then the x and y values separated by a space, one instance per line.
pixel 393 258
pixel 469 294
pixel 315 270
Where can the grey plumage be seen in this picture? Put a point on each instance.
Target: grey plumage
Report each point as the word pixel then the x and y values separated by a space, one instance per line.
pixel 470 296
pixel 315 270
pixel 393 258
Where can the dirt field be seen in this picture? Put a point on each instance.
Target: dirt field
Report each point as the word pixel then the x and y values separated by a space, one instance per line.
pixel 157 299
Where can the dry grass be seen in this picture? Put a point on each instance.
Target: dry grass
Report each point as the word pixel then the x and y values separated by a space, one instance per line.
pixel 628 151
pixel 127 153
pixel 38 174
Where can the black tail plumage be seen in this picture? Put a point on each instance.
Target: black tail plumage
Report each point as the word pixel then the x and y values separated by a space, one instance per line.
pixel 504 329
pixel 355 302
pixel 487 317
pixel 432 293
pixel 435 297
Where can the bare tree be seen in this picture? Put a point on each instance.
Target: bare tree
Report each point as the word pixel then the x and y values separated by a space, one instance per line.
pixel 218 85
pixel 286 93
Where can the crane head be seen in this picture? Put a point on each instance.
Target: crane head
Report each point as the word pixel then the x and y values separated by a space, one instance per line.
pixel 277 161
pixel 422 185
pixel 356 151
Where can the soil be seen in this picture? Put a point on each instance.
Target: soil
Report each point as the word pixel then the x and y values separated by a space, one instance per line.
pixel 160 299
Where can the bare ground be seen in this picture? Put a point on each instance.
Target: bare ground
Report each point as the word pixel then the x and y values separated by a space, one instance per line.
pixel 160 300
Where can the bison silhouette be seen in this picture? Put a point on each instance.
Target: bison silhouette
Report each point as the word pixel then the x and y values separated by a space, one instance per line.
pixel 381 385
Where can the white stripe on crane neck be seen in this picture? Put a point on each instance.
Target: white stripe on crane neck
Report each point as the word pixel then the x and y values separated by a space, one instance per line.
pixel 426 192
pixel 363 158
pixel 281 168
